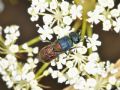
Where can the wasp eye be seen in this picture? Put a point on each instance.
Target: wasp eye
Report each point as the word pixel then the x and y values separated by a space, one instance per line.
pixel 74 37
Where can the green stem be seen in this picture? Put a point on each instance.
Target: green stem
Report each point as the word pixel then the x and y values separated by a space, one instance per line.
pixel 77 25
pixel 77 2
pixel 33 41
pixel 89 34
pixel 40 71
pixel 83 28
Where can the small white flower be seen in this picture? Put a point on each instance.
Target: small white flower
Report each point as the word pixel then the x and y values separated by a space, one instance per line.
pixel 80 84
pixel 73 72
pixel 91 68
pixel 35 50
pixel 45 32
pixel 61 32
pixel 14 48
pixel 54 74
pixel 46 73
pixel 107 25
pixel 116 25
pixel 94 17
pixel 64 7
pixel 93 42
pixel 119 7
pixel 76 11
pixel 109 87
pixel 106 3
pixel 115 13
pixel 67 20
pixel 112 80
pixel 93 57
pixel 69 64
pixel 53 4
pixel 91 82
pixel 59 65
pixel 61 78
pixel 33 11
pixel 30 76
pixel 80 48
pixel 11 34
pixel 47 18
pixel 25 46
pixel 53 63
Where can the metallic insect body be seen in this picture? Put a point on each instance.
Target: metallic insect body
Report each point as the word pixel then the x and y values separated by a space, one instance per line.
pixel 50 52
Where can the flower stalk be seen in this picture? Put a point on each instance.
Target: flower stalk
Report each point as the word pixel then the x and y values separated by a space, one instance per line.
pixel 89 34
pixel 41 70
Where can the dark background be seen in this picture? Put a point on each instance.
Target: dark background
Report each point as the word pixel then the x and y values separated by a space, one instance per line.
pixel 17 14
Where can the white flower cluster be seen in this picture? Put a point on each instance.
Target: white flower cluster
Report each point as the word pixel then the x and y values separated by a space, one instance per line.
pixel 57 17
pixel 104 12
pixel 75 66
pixel 84 72
pixel 16 74
pixel 8 45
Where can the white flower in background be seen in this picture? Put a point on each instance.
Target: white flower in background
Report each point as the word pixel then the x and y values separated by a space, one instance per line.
pixel 11 34
pixel 17 75
pixel 45 32
pixel 93 42
pixel 1 6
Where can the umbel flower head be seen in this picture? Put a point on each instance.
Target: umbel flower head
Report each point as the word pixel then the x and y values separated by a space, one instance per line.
pixel 57 17
pixel 80 66
pixel 17 75
pixel 105 12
